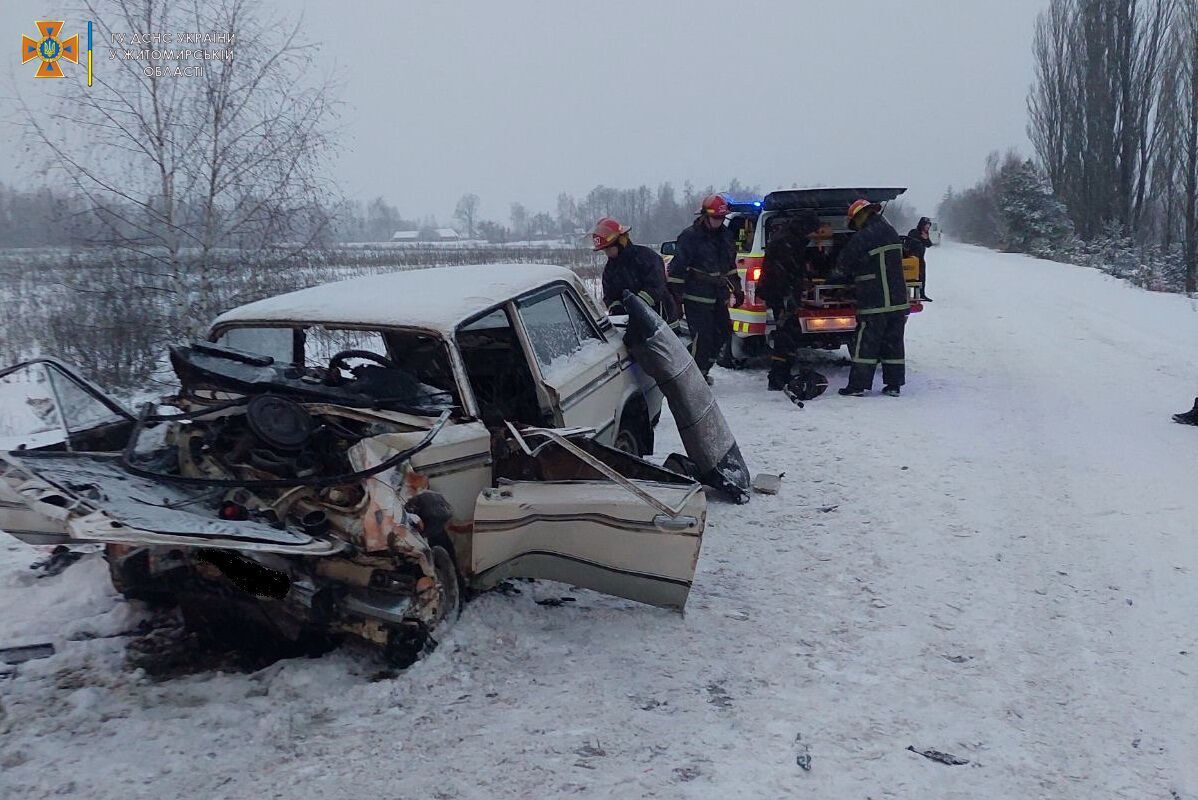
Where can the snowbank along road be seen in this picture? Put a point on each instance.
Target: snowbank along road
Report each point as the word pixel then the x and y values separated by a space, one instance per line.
pixel 1001 565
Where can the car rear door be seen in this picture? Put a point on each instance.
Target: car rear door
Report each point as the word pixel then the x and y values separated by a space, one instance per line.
pixel 632 537
pixel 579 367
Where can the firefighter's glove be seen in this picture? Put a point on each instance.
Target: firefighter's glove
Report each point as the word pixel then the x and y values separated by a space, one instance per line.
pixel 739 297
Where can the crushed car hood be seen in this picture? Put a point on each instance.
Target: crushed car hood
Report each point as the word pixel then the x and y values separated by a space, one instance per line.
pixel 96 499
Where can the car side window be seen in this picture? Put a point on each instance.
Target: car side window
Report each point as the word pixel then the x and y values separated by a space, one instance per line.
pixel 278 343
pixel 582 322
pixel 556 327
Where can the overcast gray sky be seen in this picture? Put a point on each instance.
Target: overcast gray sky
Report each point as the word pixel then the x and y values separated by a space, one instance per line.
pixel 521 99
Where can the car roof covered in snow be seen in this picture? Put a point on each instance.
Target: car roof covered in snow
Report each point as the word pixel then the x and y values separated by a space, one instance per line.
pixel 437 299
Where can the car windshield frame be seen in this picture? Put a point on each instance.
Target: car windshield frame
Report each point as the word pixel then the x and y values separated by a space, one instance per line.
pixel 299 330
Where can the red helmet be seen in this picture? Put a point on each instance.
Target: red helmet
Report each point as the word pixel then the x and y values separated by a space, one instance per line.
pixel 858 206
pixel 606 232
pixel 714 205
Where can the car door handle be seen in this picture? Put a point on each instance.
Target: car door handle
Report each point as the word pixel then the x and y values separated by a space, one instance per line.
pixel 666 523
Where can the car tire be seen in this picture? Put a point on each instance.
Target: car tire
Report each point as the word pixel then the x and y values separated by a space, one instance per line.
pixel 450 582
pixel 407 645
pixel 435 512
pixel 627 441
pixel 635 434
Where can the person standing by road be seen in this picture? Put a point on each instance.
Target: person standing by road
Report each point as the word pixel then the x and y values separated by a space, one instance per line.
pixel 703 278
pixel 632 267
pixel 873 259
pixel 919 239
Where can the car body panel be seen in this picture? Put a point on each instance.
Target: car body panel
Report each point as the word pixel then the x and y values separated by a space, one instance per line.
pixel 92 499
pixel 591 534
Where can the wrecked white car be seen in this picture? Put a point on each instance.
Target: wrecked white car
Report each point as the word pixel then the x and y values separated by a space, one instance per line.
pixel 353 459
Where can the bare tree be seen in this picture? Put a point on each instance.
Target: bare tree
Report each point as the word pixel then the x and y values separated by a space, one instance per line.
pixel 567 213
pixel 1093 109
pixel 467 212
pixel 519 216
pixel 189 173
pixel 1186 49
pixel 1052 102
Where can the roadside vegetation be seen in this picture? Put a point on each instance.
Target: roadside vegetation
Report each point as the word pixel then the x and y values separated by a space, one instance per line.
pixel 1113 119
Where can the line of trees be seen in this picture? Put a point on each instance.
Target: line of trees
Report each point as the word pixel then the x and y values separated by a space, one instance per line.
pixel 1113 119
pixel 1121 144
pixel 656 215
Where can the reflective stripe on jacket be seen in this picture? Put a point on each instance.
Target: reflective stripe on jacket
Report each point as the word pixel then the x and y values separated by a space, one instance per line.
pixel 873 258
pixel 703 269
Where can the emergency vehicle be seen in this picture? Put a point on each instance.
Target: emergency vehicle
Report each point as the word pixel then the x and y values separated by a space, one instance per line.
pixel 827 312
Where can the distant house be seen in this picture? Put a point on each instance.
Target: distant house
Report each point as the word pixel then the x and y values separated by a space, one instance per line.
pixel 405 236
pixel 448 235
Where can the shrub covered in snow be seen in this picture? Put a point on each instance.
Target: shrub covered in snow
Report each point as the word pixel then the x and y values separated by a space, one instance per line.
pixel 1014 209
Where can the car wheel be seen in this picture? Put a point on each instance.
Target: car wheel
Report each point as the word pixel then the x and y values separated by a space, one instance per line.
pixel 449 585
pixel 627 441
pixel 405 644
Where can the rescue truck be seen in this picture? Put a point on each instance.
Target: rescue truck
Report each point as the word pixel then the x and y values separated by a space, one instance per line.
pixel 827 312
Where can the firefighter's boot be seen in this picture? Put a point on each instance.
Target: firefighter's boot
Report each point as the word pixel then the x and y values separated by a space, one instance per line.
pixel 1190 417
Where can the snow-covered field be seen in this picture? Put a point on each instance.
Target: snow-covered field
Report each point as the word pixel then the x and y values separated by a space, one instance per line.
pixel 1001 565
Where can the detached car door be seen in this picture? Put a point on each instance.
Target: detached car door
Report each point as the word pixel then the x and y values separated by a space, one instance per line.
pixel 599 518
pixel 577 365
pixel 46 405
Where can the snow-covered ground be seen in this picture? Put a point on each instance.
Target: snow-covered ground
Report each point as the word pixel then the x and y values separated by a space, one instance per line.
pixel 1002 565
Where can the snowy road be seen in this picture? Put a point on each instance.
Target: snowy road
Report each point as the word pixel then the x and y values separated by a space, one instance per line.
pixel 1002 565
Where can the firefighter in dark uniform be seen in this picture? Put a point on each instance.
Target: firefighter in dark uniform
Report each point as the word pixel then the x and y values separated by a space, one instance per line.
pixel 785 273
pixel 703 277
pixel 631 267
pixel 919 239
pixel 873 260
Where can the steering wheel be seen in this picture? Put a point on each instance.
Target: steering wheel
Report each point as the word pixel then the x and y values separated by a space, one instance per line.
pixel 337 362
